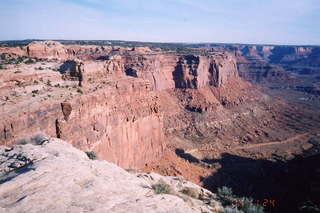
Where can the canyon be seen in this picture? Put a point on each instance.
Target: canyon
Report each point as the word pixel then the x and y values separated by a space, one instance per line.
pixel 191 115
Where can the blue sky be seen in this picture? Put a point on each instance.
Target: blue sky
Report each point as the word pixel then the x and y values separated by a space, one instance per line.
pixel 222 21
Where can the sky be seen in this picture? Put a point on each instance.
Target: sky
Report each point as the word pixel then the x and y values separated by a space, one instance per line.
pixel 192 21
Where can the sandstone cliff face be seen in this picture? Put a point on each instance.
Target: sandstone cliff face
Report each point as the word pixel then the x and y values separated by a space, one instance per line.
pixel 122 123
pixel 186 71
pixel 54 49
pixel 46 49
pixel 111 106
pixel 56 177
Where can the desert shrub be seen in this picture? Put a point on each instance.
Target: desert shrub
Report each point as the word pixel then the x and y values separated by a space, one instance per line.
pixel 79 91
pixel 29 61
pixel 235 204
pixel 49 83
pixel 191 192
pixel 39 138
pixel 2 56
pixel 19 60
pixel 35 91
pixel 229 209
pixel 92 155
pixel 18 71
pixel 36 139
pixel 252 208
pixel 161 188
pixel 309 207
pixel 225 195
pixel 2 67
pixel 247 206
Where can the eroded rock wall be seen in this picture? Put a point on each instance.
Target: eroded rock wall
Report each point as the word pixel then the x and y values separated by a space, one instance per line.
pixel 121 123
pixel 111 106
pixel 185 71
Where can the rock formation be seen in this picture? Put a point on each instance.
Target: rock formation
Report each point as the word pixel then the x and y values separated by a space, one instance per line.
pixel 148 108
pixel 116 110
pixel 55 177
pixel 188 71
pixel 129 107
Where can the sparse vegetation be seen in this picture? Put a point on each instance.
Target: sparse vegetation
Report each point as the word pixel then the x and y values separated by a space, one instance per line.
pixel 29 61
pixel 309 207
pixel 161 188
pixel 16 72
pixel 232 203
pixel 92 155
pixel 2 67
pixel 191 192
pixel 35 91
pixel 49 83
pixel 37 139
pixel 40 68
pixel 79 91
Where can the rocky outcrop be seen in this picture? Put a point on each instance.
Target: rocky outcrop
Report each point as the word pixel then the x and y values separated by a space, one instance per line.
pixel 186 71
pixel 72 70
pixel 121 122
pixel 46 49
pixel 55 177
pixel 56 50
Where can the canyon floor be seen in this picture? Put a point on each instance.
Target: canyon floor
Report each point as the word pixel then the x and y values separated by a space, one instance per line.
pixel 221 116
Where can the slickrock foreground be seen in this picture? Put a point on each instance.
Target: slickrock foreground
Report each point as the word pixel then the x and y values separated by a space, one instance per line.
pixel 56 177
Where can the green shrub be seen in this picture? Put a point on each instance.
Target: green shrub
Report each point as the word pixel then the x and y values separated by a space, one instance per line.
pixel 236 204
pixel 225 195
pixel 92 155
pixel 229 209
pixel 247 206
pixel 161 188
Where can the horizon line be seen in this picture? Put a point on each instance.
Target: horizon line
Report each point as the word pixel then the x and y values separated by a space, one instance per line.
pixel 168 42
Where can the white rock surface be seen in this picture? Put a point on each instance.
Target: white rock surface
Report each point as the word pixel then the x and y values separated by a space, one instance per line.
pixel 56 177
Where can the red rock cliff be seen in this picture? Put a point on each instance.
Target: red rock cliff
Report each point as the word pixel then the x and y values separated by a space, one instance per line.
pixel 110 106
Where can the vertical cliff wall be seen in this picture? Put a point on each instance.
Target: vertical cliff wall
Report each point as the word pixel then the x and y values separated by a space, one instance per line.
pixel 185 71
pixel 120 121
